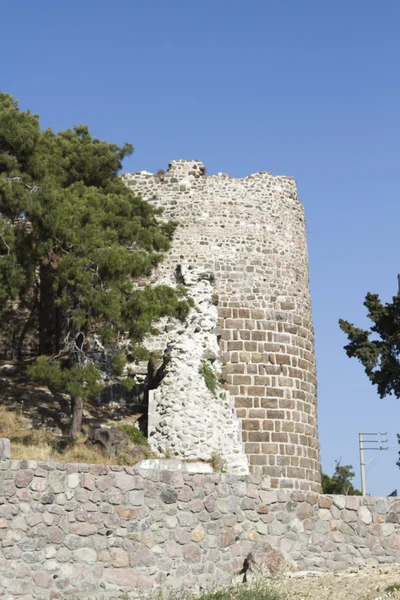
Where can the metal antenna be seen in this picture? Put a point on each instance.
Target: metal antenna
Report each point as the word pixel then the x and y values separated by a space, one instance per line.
pixel 361 442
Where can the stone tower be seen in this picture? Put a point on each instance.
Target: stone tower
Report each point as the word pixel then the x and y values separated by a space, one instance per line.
pixel 251 233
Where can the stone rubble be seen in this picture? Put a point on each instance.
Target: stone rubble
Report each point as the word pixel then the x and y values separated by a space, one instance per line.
pixel 185 418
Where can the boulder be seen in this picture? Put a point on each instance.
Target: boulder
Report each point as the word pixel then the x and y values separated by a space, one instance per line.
pixel 109 441
pixel 112 441
pixel 265 560
pixel 9 370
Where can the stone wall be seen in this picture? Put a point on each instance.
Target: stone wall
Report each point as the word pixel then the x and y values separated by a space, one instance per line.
pixel 185 418
pixel 251 234
pixel 97 531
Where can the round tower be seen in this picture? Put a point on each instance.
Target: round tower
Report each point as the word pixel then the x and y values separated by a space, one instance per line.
pixel 251 233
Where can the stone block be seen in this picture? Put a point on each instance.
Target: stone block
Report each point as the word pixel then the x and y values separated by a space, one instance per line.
pixel 192 554
pixel 365 515
pixel 352 502
pixel 127 578
pixel 119 557
pixel 23 478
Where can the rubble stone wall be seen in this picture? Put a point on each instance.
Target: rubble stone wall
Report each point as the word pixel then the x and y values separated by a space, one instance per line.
pixel 185 417
pixel 251 234
pixel 98 531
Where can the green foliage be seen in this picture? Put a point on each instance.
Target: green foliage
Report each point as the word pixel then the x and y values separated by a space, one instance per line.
pixel 168 452
pixel 85 226
pixel 71 231
pixel 128 383
pixel 134 435
pixel 139 354
pixel 79 381
pixel 340 482
pixel 395 587
pixel 147 305
pixel 210 378
pixel 260 591
pixel 378 348
pixel 218 462
pixel 118 363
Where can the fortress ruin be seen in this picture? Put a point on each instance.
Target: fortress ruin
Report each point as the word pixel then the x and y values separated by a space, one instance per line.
pixel 250 234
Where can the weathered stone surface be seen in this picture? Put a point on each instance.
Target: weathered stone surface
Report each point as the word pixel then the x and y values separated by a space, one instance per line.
pixel 136 497
pixel 83 529
pixel 305 510
pixel 172 549
pixel 54 535
pixel 128 578
pixel 230 217
pixel 325 514
pixel 126 513
pixel 227 538
pixel 365 515
pixel 23 478
pixel 168 494
pixel 42 580
pixel 73 480
pixel 349 515
pixel 324 502
pixel 86 555
pixel 111 441
pixel 191 554
pixel 134 531
pixel 125 482
pixel 265 560
pixel 9 370
pixel 352 502
pixel 119 557
pixel 198 533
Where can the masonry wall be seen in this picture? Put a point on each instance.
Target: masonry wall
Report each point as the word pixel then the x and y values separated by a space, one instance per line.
pixel 251 233
pixel 98 531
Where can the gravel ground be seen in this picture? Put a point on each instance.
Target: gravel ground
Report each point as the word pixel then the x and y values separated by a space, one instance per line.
pixel 368 583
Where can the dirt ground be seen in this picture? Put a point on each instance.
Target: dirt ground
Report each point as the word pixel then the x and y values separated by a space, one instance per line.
pixel 368 583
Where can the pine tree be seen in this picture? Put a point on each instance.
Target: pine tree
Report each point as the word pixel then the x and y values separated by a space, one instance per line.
pixel 73 240
pixel 378 349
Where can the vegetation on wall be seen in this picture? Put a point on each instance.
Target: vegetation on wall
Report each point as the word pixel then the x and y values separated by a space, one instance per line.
pixel 73 240
pixel 210 378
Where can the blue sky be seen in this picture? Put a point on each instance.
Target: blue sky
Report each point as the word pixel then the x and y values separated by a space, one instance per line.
pixel 297 87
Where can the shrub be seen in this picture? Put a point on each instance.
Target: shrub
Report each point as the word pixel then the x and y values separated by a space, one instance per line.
pixel 118 363
pixel 260 591
pixel 218 462
pixel 134 435
pixel 210 378
pixel 139 354
pixel 393 588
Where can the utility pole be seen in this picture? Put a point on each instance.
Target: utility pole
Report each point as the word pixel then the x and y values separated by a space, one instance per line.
pixel 361 442
pixel 362 464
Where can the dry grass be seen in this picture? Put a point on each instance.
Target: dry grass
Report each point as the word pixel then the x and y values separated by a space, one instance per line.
pixel 39 444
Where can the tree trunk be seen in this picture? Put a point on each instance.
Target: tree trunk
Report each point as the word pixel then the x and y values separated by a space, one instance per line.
pixel 27 325
pixel 77 415
pixel 47 312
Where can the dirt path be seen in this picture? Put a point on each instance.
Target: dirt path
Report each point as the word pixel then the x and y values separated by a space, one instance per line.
pixel 365 584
